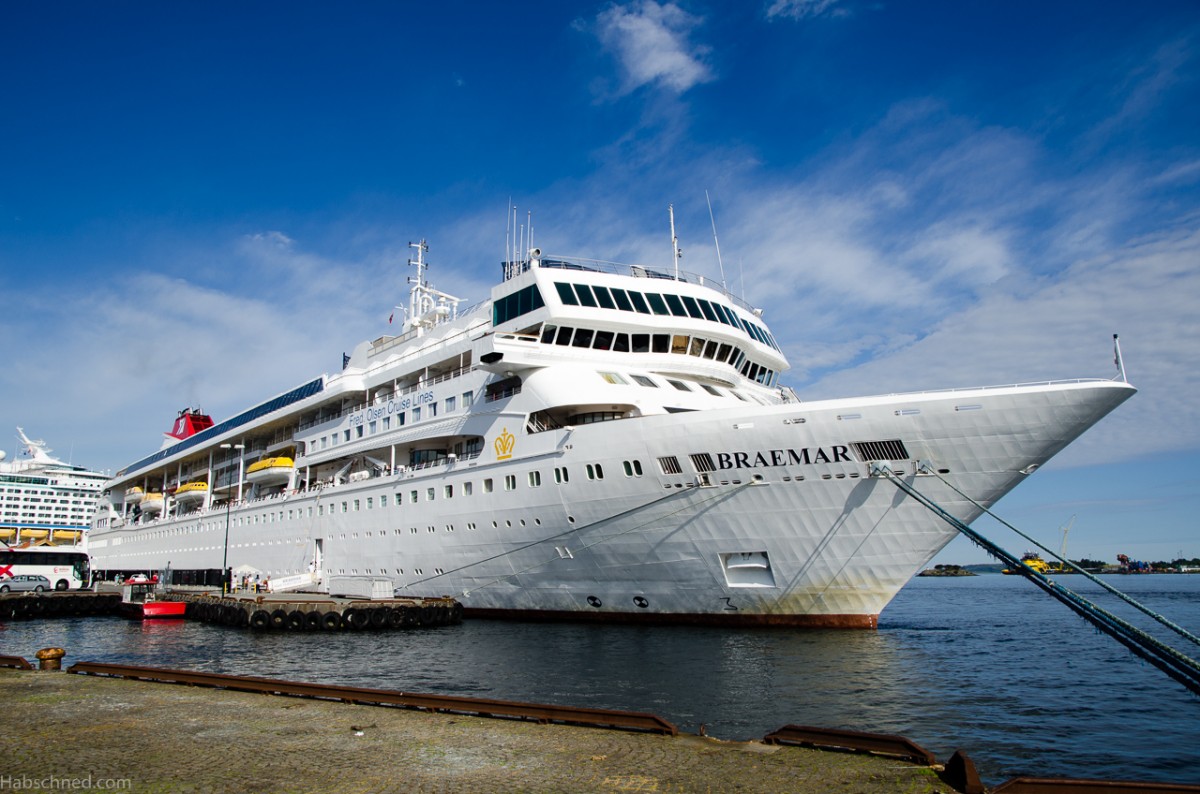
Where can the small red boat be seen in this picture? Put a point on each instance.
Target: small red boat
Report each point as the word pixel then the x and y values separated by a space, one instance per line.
pixel 138 601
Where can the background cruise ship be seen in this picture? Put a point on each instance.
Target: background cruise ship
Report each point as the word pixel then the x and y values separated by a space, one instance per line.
pixel 43 500
pixel 594 441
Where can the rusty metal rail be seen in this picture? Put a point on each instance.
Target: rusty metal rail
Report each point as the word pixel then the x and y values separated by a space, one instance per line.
pixel 537 712
pixel 15 662
pixel 1049 785
pixel 852 741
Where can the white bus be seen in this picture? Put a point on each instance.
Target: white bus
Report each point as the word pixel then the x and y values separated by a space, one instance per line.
pixel 66 570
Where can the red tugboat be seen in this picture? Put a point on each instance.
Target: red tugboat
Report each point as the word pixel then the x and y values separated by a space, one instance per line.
pixel 138 601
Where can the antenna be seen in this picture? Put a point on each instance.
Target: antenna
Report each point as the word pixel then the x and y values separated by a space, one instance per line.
pixel 676 254
pixel 716 242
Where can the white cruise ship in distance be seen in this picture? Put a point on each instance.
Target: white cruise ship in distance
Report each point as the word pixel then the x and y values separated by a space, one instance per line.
pixel 593 441
pixel 43 500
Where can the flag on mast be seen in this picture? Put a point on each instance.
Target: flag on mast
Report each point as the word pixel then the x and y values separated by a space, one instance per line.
pixel 1117 359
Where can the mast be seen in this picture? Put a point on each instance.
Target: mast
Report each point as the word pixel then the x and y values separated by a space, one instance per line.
pixel 676 254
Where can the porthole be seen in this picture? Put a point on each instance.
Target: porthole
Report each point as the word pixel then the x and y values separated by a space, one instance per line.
pixel 640 602
pixel 595 602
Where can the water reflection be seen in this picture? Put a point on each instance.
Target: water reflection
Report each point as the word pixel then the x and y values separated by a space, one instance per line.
pixel 988 664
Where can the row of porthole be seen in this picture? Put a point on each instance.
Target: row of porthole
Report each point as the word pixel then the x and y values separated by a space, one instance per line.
pixel 638 601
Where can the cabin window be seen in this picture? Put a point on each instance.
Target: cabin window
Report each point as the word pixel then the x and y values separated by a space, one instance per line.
pixel 657 303
pixel 450 404
pixel 642 380
pixel 603 298
pixel 622 300
pixel 487 485
pixel 633 468
pixel 639 303
pixel 468 488
pixel 560 475
pixel 603 340
pixel 566 294
pixel 709 312
pixel 612 377
pixel 678 384
pixel 535 479
pixel 586 298
pixel 679 344
pixel 693 308
pixel 621 343
pixel 448 492
pixel 595 471
pixel 661 343
pixel 510 482
pixel 548 332
pixel 564 336
pixel 641 343
pixel 697 346
pixel 676 305
pixel 583 337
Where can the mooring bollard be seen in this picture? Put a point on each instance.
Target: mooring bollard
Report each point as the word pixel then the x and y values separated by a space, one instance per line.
pixel 50 658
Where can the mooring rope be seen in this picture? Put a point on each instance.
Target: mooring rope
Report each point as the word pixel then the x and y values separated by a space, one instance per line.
pixel 1178 666
pixel 1123 596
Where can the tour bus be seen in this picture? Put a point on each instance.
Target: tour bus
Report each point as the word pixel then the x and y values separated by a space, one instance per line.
pixel 66 570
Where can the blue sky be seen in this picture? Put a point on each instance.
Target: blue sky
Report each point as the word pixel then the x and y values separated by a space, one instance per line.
pixel 207 203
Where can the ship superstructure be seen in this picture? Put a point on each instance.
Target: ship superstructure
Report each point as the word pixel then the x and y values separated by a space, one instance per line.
pixel 44 500
pixel 593 441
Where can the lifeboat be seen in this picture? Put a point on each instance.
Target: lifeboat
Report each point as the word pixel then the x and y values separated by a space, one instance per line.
pixel 133 495
pixel 270 471
pixel 152 503
pixel 66 535
pixel 7 532
pixel 191 492
pixel 34 534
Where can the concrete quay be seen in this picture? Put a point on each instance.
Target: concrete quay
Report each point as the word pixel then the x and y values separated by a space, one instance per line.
pixel 63 729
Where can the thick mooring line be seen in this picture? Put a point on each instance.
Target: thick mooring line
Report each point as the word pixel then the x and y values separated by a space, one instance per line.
pixel 1178 666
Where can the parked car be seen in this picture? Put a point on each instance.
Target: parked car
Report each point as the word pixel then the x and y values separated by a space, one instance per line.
pixel 137 578
pixel 27 582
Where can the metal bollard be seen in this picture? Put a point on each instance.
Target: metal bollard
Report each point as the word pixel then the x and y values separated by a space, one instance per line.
pixel 50 658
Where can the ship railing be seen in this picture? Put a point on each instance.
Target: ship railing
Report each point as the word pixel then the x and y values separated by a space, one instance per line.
pixel 1025 385
pixel 640 271
pixel 333 417
pixel 396 341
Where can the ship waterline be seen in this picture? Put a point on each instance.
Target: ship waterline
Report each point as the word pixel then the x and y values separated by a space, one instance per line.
pixel 592 442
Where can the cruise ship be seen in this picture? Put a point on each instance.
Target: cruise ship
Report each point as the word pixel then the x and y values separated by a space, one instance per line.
pixel 592 441
pixel 45 501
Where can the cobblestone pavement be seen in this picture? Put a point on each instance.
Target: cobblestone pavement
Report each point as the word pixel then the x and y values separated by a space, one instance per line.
pixel 64 732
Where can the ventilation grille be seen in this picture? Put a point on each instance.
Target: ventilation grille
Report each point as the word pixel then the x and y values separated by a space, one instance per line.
pixel 670 465
pixel 703 462
pixel 868 451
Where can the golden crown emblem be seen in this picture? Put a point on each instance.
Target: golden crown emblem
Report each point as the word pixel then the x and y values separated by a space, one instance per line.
pixel 504 444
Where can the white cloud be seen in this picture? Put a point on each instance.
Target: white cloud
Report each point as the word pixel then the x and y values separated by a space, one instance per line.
pixel 651 43
pixel 799 9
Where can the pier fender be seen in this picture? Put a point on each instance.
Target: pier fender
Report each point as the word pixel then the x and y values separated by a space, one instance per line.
pixel 312 620
pixel 331 621
pixel 279 619
pixel 296 621
pixel 410 617
pixel 261 619
pixel 379 617
pixel 428 616
pixel 356 619
pixel 395 618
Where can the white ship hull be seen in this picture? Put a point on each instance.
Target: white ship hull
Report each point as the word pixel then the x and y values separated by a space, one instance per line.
pixel 837 543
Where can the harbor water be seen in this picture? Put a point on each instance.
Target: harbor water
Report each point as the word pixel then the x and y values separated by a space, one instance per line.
pixel 987 664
